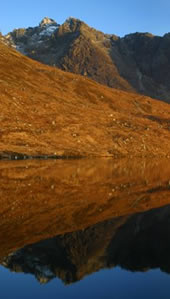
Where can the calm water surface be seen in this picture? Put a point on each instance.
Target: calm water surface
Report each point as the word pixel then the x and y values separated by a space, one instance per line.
pixel 85 229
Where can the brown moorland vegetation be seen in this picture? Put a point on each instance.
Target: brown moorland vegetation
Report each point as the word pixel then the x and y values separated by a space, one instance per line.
pixel 45 111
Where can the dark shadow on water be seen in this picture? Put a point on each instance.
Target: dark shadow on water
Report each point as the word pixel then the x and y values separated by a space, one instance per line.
pixel 138 242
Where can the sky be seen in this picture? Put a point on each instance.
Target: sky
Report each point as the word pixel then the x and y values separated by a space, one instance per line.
pixel 118 17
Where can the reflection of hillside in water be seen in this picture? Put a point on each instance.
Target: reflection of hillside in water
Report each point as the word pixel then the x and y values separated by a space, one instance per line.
pixel 138 243
pixel 74 200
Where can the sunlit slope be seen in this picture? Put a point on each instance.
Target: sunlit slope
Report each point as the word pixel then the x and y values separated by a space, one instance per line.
pixel 44 110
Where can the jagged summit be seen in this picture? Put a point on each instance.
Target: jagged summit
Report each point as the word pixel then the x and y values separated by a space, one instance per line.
pixel 71 20
pixel 47 21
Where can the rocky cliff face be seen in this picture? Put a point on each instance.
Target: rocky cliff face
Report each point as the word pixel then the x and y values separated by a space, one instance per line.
pixel 28 40
pixel 137 62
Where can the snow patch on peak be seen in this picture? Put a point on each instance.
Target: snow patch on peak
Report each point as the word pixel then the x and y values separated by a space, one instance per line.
pixel 48 30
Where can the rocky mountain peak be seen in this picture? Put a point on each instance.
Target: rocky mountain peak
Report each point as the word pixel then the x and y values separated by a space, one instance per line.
pixel 72 20
pixel 136 62
pixel 71 25
pixel 47 21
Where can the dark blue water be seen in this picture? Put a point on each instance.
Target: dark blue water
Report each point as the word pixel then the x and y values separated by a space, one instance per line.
pixel 114 283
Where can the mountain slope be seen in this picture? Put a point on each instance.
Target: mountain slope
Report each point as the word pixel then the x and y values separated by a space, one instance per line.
pixel 47 111
pixel 138 62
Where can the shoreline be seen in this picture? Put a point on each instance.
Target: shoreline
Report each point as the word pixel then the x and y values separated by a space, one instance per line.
pixel 18 156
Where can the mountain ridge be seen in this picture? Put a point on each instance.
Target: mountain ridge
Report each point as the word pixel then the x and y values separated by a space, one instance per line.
pixel 138 62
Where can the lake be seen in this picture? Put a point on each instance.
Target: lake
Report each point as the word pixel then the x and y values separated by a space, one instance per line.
pixel 88 228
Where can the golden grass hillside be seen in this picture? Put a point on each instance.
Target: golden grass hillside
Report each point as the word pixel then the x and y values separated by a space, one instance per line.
pixel 45 111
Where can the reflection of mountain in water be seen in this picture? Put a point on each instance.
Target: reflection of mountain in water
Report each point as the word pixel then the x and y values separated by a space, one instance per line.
pixel 43 199
pixel 138 242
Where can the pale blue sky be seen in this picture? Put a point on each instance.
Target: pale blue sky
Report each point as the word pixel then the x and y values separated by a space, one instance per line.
pixel 119 17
